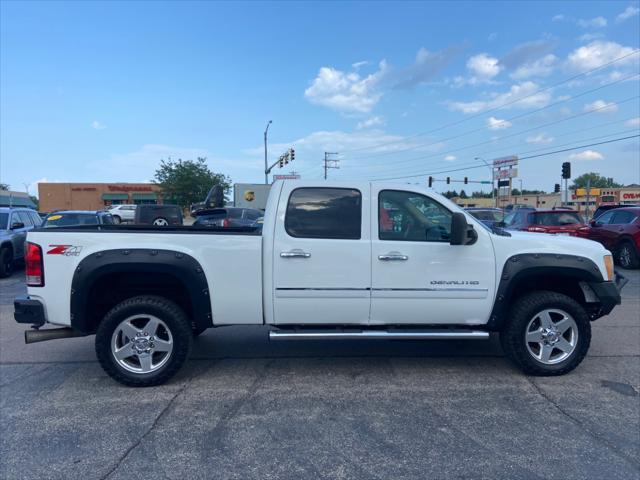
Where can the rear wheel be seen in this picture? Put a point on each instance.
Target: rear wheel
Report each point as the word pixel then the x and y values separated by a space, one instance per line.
pixel 6 262
pixel 627 256
pixel 548 333
pixel 143 341
pixel 117 220
pixel 161 222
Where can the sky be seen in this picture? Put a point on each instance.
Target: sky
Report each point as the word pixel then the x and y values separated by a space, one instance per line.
pixel 102 91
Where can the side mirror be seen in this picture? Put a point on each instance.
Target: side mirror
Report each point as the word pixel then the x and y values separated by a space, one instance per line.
pixel 500 224
pixel 461 232
pixel 593 223
pixel 17 225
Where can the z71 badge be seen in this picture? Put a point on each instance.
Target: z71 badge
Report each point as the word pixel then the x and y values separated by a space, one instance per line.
pixel 67 250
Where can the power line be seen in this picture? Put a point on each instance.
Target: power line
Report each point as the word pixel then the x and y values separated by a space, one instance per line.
pixel 493 109
pixel 520 159
pixel 504 122
pixel 455 150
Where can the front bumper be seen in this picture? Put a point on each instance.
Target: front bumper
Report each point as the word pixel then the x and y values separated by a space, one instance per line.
pixel 608 293
pixel 28 310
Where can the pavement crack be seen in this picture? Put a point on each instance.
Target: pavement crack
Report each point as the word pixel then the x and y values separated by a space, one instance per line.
pixel 154 424
pixel 630 460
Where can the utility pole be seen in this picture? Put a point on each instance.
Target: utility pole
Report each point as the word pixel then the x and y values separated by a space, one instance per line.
pixel 492 177
pixel 329 163
pixel 266 166
pixel 586 212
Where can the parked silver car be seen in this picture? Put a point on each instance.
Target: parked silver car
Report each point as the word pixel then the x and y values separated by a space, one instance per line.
pixel 14 225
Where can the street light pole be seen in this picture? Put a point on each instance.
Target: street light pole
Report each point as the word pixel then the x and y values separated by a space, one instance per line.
pixel 492 179
pixel 266 166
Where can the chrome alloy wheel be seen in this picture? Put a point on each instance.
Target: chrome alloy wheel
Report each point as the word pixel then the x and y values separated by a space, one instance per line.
pixel 551 336
pixel 624 257
pixel 160 222
pixel 141 343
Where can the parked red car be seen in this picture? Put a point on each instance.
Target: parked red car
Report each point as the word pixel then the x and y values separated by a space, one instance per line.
pixel 563 222
pixel 619 231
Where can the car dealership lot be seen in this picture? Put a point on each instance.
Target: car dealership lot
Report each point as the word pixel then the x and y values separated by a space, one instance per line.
pixel 247 408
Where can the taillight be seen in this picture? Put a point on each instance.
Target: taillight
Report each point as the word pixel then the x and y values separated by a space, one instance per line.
pixel 225 223
pixel 537 229
pixel 34 265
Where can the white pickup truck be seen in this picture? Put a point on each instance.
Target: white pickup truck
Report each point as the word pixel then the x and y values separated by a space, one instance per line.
pixel 333 261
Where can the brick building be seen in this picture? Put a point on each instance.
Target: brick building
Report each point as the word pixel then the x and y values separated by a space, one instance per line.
pixel 95 196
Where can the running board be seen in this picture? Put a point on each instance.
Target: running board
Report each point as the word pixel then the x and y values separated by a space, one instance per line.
pixel 379 335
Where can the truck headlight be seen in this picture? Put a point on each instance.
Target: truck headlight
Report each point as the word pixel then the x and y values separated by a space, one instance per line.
pixel 608 264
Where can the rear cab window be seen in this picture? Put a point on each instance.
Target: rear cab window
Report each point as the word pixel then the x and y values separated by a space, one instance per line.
pixel 324 212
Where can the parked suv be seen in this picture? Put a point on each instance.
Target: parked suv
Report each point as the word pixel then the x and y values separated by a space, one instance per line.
pixel 122 213
pixel 14 225
pixel 158 215
pixel 619 231
pixel 605 208
pixel 563 222
pixel 227 217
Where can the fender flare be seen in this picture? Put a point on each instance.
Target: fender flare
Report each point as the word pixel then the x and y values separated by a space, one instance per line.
pixel 522 266
pixel 180 265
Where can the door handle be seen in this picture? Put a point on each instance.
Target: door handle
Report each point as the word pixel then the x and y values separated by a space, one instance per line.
pixel 295 254
pixel 393 257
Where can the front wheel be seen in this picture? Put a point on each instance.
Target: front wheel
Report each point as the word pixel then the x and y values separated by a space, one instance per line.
pixel 548 333
pixel 627 256
pixel 6 262
pixel 117 220
pixel 143 341
pixel 161 222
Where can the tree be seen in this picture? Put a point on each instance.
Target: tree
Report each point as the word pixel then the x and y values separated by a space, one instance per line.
pixel 517 192
pixel 481 195
pixel 450 194
pixel 186 181
pixel 597 181
pixel 463 194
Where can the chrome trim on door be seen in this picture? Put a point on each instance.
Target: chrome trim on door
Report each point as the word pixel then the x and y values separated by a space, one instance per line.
pixel 390 257
pixel 295 254
pixel 380 335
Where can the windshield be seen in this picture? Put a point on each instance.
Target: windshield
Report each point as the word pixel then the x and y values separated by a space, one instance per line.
pixel 555 219
pixel 70 220
pixel 4 219
pixel 491 215
pixel 508 220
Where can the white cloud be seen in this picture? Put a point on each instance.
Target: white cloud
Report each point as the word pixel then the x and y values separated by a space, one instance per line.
pixel 600 106
pixel 97 125
pixel 540 139
pixel 542 67
pixel 597 22
pixel 33 186
pixel 587 37
pixel 557 18
pixel 629 12
pixel 598 53
pixel 483 67
pixel 358 65
pixel 634 122
pixel 587 155
pixel 426 66
pixel 527 89
pixel 370 122
pixel 450 158
pixel 494 123
pixel 346 91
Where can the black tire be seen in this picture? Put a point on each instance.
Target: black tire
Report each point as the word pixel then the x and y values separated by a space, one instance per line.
pixel 523 311
pixel 167 311
pixel 160 222
pixel 117 220
pixel 627 255
pixel 6 262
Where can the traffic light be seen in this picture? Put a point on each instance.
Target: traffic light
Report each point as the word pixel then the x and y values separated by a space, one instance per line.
pixel 292 155
pixel 286 158
pixel 466 180
pixel 448 180
pixel 566 170
pixel 430 181
pixel 556 188
pixel 280 162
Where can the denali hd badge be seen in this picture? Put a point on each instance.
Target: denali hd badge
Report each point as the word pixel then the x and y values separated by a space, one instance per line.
pixel 66 250
pixel 455 282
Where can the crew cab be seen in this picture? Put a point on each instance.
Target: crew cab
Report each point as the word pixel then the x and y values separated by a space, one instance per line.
pixel 332 261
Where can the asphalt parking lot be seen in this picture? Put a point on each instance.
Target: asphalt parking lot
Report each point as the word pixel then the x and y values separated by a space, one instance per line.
pixel 244 408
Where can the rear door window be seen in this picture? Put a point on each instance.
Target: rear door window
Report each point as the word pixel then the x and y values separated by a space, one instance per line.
pixel 622 217
pixel 23 217
pixel 331 213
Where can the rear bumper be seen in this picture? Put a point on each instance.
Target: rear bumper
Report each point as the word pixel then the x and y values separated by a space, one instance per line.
pixel 608 293
pixel 28 310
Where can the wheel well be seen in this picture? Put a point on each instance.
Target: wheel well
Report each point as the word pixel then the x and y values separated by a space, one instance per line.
pixel 625 239
pixel 566 284
pixel 110 289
